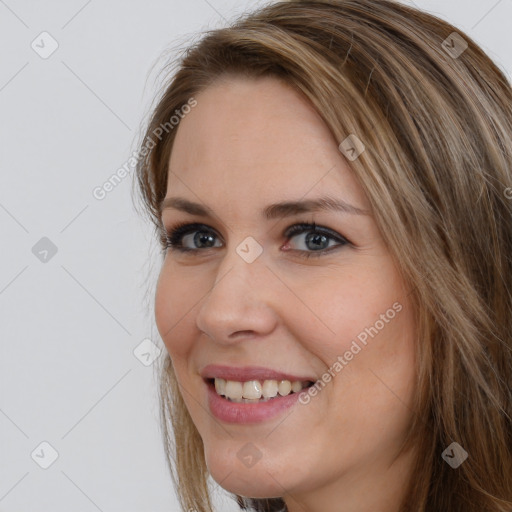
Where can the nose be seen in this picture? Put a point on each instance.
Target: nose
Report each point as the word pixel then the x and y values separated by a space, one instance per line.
pixel 239 303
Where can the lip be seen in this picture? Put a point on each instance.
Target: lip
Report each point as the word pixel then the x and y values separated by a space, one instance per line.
pixel 247 413
pixel 245 373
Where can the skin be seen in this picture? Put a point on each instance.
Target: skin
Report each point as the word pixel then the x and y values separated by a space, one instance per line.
pixel 246 144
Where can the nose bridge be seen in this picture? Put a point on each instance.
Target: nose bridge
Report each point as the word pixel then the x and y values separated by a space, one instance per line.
pixel 242 267
pixel 238 299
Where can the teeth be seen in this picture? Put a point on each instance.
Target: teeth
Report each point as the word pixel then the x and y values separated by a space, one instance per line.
pixel 269 388
pixel 296 386
pixel 233 390
pixel 253 391
pixel 285 387
pixel 220 386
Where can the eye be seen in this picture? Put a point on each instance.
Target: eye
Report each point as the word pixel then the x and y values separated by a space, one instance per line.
pixel 317 240
pixel 190 237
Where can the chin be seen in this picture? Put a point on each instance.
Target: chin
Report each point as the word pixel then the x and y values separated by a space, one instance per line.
pixel 251 482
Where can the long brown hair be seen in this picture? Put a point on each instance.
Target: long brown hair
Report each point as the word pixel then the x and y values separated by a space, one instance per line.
pixel 435 115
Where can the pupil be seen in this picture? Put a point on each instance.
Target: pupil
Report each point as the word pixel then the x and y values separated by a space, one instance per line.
pixel 206 239
pixel 317 239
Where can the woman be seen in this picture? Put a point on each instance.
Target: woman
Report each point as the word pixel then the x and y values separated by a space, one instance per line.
pixel 330 185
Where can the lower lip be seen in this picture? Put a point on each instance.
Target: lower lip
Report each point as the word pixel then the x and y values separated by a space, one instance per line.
pixel 233 412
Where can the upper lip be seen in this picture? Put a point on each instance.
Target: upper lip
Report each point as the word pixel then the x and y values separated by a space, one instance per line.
pixel 245 373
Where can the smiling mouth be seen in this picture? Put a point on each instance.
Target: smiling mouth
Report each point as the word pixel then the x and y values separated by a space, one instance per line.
pixel 256 391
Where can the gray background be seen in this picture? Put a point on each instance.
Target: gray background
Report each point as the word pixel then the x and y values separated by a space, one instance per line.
pixel 70 324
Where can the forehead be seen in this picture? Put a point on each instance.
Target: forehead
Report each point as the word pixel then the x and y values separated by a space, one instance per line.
pixel 254 137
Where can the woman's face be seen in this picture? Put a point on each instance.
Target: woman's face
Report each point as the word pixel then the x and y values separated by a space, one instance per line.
pixel 304 305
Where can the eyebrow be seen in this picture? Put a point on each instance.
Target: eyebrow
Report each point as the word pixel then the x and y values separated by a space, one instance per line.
pixel 272 211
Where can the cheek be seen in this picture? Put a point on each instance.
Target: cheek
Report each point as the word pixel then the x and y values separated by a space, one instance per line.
pixel 173 310
pixel 174 319
pixel 363 316
pixel 338 307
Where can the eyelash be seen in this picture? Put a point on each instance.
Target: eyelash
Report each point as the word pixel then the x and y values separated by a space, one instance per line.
pixel 173 239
